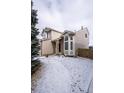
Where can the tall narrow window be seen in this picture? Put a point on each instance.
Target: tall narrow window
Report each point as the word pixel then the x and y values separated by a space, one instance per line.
pixel 47 35
pixel 71 38
pixel 85 35
pixel 71 45
pixel 66 45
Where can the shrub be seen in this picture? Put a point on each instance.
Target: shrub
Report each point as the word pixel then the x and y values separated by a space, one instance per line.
pixel 34 66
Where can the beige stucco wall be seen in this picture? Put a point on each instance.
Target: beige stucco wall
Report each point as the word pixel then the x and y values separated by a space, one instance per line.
pixel 55 35
pixel 80 40
pixel 46 35
pixel 49 35
pixel 47 47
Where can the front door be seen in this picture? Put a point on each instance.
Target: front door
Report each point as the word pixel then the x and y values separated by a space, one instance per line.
pixel 69 45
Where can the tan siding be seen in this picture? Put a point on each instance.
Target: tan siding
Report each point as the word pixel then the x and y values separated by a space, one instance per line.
pixel 46 35
pixel 55 35
pixel 80 40
pixel 49 35
pixel 47 47
pixel 62 46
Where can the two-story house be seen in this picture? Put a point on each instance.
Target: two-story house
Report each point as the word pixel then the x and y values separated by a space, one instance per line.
pixel 66 43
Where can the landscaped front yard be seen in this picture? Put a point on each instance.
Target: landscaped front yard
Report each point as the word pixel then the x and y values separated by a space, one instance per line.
pixel 60 74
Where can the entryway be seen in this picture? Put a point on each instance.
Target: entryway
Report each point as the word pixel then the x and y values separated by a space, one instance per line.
pixel 69 47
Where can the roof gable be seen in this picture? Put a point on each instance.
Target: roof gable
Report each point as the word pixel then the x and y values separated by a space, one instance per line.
pixel 47 29
pixel 68 32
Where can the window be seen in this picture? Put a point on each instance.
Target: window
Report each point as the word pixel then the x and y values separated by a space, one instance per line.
pixel 47 35
pixel 66 38
pixel 71 38
pixel 66 45
pixel 71 45
pixel 44 35
pixel 85 35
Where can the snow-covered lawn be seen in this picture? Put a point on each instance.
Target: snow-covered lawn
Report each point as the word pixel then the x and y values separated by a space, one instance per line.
pixel 65 75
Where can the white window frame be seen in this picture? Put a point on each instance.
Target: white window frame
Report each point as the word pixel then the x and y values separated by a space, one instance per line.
pixel 69 45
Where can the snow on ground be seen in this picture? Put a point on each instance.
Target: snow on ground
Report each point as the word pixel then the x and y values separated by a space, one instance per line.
pixel 65 75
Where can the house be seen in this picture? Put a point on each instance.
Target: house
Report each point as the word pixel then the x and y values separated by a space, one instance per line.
pixel 66 43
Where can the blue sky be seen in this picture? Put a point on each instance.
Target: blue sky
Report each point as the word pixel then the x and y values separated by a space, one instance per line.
pixel 65 14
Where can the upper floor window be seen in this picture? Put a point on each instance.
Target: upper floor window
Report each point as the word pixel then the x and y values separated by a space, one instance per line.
pixel 66 38
pixel 85 35
pixel 71 38
pixel 46 35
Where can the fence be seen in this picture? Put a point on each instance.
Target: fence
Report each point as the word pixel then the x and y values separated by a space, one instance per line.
pixel 87 53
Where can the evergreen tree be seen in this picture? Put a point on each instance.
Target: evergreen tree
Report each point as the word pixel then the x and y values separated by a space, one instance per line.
pixel 34 41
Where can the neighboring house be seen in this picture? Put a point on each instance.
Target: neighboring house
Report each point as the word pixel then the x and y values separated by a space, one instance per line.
pixel 66 43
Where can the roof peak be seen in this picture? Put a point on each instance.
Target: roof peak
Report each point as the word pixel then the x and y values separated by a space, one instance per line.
pixel 51 29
